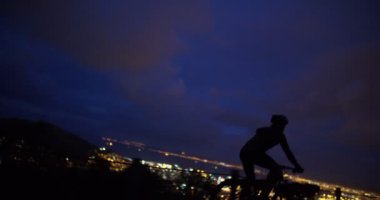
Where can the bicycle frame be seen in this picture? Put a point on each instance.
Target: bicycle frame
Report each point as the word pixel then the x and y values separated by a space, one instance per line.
pixel 252 190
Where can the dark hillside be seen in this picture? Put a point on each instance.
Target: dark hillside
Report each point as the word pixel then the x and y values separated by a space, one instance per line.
pixel 40 134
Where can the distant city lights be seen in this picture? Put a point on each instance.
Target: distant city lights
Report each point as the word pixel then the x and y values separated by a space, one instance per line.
pixel 326 188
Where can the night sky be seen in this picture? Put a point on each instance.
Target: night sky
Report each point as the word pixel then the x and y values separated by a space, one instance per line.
pixel 201 76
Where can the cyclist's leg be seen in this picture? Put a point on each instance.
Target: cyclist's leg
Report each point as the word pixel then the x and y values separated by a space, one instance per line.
pixel 248 167
pixel 249 170
pixel 274 175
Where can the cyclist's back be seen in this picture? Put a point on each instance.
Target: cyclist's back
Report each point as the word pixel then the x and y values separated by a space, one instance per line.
pixel 265 139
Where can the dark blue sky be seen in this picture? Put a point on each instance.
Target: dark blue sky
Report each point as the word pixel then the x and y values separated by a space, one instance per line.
pixel 200 76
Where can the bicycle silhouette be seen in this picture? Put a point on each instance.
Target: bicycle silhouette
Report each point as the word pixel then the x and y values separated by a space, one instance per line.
pixel 243 189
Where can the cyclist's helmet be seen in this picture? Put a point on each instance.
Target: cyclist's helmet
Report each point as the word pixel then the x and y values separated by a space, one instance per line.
pixel 279 119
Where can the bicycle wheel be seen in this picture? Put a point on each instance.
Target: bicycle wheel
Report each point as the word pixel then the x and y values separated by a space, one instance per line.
pixel 237 190
pixel 297 191
pixel 227 190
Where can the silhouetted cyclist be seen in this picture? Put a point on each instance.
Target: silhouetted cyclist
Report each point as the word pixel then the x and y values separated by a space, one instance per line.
pixel 254 152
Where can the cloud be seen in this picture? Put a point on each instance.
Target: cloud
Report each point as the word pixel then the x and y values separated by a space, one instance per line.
pixel 342 88
pixel 135 43
pixel 39 81
pixel 151 105
pixel 119 34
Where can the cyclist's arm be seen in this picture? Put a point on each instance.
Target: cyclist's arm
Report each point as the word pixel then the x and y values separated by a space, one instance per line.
pixel 289 154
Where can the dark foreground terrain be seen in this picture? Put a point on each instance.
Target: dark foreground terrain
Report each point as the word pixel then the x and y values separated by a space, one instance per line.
pixel 25 182
pixel 39 160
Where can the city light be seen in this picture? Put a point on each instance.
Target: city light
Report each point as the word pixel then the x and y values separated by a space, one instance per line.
pixel 327 189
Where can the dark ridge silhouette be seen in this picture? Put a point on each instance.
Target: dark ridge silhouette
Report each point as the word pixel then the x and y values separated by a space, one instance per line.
pixel 24 182
pixel 41 133
pixel 34 158
pixel 43 145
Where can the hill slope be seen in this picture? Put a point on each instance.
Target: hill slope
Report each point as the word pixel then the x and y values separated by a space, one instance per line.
pixel 42 135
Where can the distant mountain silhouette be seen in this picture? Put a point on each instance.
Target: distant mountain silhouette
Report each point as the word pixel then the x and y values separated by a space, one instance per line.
pixel 41 136
pixel 39 160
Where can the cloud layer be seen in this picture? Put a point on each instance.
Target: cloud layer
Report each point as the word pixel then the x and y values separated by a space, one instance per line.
pixel 121 34
pixel 201 76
